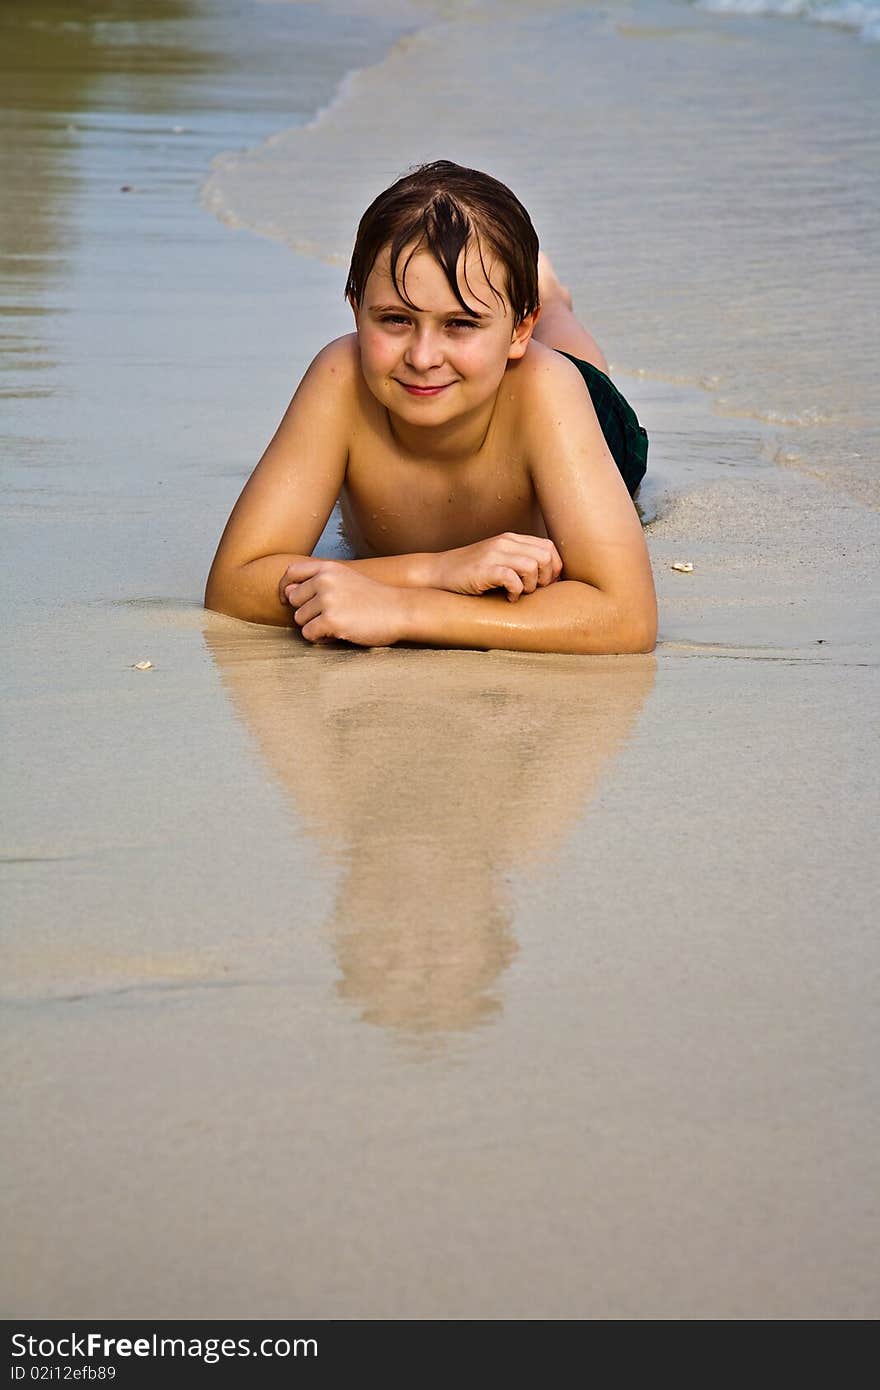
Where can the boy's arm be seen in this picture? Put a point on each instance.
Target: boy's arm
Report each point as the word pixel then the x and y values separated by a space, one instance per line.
pixel 604 601
pixel 285 504
pixel 510 561
pixel 403 571
pixel 329 600
pixel 289 496
pixel 566 617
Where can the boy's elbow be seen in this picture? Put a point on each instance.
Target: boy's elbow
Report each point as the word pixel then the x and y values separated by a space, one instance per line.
pixel 224 591
pixel 642 641
pixel 214 597
pixel 221 596
pixel 636 631
pixel 640 633
pixel 627 636
pixel 214 605
pixel 227 594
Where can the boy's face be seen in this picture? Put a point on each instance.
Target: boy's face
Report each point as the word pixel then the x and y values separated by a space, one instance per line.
pixel 458 359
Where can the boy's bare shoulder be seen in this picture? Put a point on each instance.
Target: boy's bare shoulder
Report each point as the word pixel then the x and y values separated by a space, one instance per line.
pixel 549 392
pixel 337 368
pixel 339 358
pixel 543 370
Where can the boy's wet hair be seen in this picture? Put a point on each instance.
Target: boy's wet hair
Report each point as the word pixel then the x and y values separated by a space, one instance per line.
pixel 442 207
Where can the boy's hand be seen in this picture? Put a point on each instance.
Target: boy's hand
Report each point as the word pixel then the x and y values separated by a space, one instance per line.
pixel 330 599
pixel 519 564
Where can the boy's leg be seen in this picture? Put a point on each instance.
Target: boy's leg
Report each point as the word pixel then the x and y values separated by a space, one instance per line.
pixel 557 327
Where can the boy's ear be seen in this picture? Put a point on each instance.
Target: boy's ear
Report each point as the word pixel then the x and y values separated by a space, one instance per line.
pixel 354 308
pixel 522 333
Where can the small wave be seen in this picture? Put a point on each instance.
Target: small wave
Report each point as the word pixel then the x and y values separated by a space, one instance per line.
pixel 345 91
pixel 216 194
pixel 861 16
pixel 803 418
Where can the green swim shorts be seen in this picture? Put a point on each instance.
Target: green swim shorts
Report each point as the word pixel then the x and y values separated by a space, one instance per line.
pixel 624 435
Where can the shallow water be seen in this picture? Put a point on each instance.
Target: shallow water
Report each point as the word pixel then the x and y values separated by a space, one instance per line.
pixel 706 183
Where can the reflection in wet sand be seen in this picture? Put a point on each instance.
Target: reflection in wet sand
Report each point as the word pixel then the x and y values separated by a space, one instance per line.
pixel 430 775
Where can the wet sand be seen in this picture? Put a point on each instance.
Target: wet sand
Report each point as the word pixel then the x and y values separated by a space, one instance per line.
pixel 399 984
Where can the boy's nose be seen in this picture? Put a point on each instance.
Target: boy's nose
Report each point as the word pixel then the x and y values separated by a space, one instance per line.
pixel 425 350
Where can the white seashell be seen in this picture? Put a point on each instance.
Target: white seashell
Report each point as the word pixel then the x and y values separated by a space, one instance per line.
pixel 142 666
pixel 683 566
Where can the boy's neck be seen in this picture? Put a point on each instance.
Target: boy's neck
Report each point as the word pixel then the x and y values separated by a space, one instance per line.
pixel 455 442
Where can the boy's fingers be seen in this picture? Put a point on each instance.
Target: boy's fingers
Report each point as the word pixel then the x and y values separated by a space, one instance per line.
pixel 527 567
pixel 315 630
pixel 549 571
pixel 299 570
pixel 549 563
pixel 306 611
pixel 305 565
pixel 538 549
pixel 529 575
pixel 294 574
pixel 297 594
pixel 509 579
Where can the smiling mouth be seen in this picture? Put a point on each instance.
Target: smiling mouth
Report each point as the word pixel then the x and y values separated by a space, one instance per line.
pixel 424 390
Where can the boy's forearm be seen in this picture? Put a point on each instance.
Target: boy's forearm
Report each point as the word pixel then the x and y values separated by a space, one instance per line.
pixel 566 616
pixel 251 592
pixel 414 571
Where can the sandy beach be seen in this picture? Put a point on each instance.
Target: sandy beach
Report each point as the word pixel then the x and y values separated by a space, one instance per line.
pixel 410 983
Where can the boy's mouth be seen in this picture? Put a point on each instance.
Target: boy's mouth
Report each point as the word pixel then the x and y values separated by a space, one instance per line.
pixel 424 390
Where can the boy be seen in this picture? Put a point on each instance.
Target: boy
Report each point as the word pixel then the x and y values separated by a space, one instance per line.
pixel 476 484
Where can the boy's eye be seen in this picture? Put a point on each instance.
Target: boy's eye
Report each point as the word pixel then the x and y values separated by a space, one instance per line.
pixel 401 318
